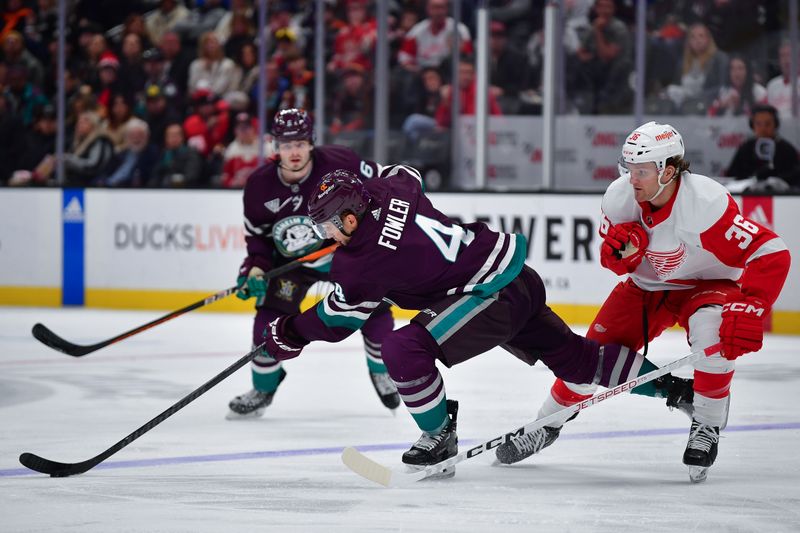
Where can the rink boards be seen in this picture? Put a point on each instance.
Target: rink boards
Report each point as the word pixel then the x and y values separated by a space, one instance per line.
pixel 151 249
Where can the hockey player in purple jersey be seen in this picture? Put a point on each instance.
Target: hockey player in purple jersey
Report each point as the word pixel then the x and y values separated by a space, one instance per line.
pixel 472 286
pixel 278 230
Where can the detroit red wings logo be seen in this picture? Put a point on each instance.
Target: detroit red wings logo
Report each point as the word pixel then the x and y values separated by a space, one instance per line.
pixel 665 263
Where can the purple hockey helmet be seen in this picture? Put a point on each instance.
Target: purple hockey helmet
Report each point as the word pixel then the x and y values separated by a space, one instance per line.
pixel 337 193
pixel 293 125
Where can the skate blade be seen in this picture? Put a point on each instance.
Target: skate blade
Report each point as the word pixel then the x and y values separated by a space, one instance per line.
pixel 252 415
pixel 447 473
pixel 698 474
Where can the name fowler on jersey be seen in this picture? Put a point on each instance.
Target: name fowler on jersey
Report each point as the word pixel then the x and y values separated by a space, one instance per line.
pixel 394 225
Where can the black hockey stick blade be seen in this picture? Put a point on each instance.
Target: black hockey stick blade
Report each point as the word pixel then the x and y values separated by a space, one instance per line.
pixel 46 336
pixel 56 469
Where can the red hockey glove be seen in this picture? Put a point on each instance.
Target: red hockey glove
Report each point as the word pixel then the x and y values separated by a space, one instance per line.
pixel 279 342
pixel 623 247
pixel 742 328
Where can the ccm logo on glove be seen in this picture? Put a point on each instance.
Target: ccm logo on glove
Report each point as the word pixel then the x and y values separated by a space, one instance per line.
pixel 743 307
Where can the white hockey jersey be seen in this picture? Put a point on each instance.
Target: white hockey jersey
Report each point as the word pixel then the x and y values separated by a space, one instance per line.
pixel 699 235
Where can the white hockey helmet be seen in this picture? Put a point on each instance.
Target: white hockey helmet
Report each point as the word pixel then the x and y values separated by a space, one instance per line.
pixel 653 142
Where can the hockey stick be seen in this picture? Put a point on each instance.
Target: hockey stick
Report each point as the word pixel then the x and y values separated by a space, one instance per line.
pixel 373 471
pixel 56 469
pixel 47 337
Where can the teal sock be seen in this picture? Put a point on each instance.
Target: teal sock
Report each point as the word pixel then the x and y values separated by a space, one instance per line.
pixel 375 367
pixel 649 388
pixel 268 382
pixel 433 420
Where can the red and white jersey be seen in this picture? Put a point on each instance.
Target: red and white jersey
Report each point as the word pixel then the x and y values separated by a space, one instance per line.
pixel 424 48
pixel 700 235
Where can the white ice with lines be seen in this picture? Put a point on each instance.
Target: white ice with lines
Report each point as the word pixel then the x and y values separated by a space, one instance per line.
pixel 617 467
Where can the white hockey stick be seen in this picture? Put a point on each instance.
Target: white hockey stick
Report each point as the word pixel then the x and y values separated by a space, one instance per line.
pixel 369 469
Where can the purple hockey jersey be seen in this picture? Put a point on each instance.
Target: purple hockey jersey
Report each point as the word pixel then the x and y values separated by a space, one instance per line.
pixel 407 252
pixel 276 212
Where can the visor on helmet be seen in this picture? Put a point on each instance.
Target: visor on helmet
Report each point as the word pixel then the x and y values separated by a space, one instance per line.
pixel 327 229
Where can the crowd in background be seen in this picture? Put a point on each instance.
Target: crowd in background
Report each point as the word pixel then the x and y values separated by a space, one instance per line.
pixel 163 93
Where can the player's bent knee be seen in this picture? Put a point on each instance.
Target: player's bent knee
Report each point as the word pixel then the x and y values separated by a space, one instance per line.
pixel 407 351
pixel 704 332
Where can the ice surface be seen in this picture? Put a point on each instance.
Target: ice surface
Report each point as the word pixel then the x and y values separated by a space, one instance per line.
pixel 617 467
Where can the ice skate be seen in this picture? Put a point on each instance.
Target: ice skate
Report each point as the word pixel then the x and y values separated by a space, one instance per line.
pixel 430 450
pixel 529 444
pixel 701 450
pixel 252 403
pixel 679 393
pixel 386 389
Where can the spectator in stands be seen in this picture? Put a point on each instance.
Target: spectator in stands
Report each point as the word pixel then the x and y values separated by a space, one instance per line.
pixel 211 69
pixel 277 85
pixel 702 72
pixel 243 11
pixel 131 70
pixel 247 62
pixel 519 17
pixel 41 34
pixel 159 113
pixel 22 96
pixel 176 60
pixel 355 42
pixel 766 155
pixel 207 128
pixel 428 43
pixel 427 98
pixel 35 161
pixel 202 19
pixel 740 93
pixel 282 22
pixel 108 82
pixel 509 73
pixel 10 127
pixel 134 24
pixel 467 87
pixel 14 52
pixel 15 17
pixel 779 88
pixel 240 34
pixel 598 71
pixel 83 100
pixel 156 75
pixel 120 113
pixel 352 104
pixel 285 44
pixel 133 166
pixel 406 19
pixel 241 156
pixel 301 91
pixel 179 164
pixel 164 19
pixel 90 152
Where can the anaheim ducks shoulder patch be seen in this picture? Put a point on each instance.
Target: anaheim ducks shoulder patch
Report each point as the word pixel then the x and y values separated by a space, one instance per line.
pixel 294 236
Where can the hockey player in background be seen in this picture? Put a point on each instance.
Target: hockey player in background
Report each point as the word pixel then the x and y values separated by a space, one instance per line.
pixel 278 230
pixel 691 258
pixel 470 282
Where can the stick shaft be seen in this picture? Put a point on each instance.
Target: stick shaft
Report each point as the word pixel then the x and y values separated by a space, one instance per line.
pixel 47 337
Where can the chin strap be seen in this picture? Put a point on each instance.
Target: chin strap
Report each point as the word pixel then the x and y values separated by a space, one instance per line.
pixel 662 186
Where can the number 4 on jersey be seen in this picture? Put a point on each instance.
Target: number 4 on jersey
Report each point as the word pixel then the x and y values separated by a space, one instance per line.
pixel 438 233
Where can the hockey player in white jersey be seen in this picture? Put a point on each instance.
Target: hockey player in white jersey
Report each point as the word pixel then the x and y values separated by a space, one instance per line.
pixel 690 258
